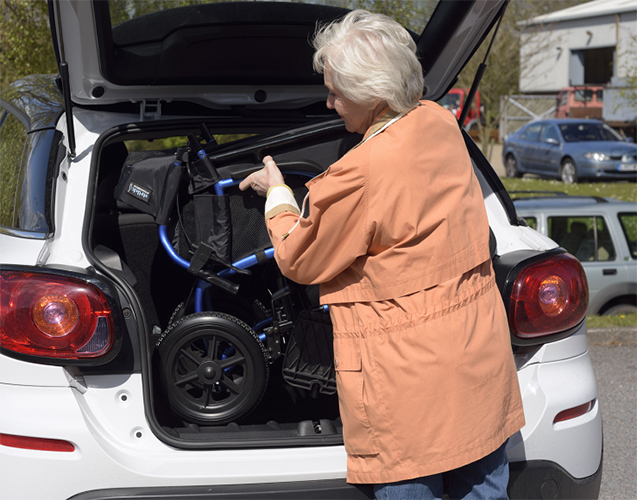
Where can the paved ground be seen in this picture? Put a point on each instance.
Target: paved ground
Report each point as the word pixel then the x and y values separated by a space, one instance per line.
pixel 614 355
pixel 616 373
pixel 613 336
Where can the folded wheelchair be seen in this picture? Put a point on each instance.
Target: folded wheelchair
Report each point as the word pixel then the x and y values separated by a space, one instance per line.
pixel 213 358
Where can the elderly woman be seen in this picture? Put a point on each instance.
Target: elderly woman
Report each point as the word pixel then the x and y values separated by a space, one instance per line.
pixel 397 236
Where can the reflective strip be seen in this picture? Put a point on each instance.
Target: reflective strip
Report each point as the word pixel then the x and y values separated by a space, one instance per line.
pixel 279 185
pixel 280 199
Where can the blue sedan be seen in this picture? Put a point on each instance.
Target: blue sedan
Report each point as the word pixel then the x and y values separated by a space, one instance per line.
pixel 569 149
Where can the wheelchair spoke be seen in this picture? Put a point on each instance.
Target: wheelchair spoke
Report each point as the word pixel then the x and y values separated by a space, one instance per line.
pixel 233 361
pixel 207 396
pixel 230 385
pixel 189 377
pixel 212 348
pixel 190 355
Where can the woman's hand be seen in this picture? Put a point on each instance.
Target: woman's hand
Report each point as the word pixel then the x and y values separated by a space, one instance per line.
pixel 264 179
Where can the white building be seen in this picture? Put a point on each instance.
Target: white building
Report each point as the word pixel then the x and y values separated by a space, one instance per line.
pixel 586 44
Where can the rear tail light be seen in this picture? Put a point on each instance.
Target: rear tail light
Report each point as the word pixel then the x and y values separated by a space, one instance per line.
pixel 54 316
pixel 548 297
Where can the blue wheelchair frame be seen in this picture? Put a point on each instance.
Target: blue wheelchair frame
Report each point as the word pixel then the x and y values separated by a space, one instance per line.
pixel 202 302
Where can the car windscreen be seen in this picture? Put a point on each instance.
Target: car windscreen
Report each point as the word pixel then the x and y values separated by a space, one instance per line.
pixel 588 131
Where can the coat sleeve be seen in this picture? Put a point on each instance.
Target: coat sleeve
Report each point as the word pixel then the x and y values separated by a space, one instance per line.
pixel 334 233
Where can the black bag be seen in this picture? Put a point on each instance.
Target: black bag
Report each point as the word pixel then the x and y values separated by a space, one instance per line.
pixel 213 225
pixel 150 185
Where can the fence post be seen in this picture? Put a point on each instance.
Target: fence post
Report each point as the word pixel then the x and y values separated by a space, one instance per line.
pixel 503 116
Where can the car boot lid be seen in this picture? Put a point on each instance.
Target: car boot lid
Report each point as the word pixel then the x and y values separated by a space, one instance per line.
pixel 225 55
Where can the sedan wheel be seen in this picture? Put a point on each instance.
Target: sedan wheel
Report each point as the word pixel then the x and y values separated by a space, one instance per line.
pixel 568 172
pixel 511 167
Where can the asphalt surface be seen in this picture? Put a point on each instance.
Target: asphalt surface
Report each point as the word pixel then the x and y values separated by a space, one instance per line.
pixel 613 336
pixel 614 356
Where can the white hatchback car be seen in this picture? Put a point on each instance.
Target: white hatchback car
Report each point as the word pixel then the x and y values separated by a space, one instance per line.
pixel 150 347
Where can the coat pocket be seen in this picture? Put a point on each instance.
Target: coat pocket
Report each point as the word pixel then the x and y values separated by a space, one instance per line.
pixel 358 434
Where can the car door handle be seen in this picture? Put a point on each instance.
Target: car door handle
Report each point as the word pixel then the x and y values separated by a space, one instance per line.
pixel 609 272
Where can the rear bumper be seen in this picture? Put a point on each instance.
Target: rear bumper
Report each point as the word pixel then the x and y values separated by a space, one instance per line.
pixel 333 488
pixel 538 479
pixel 541 479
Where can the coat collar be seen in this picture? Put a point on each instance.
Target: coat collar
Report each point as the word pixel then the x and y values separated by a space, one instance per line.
pixel 385 119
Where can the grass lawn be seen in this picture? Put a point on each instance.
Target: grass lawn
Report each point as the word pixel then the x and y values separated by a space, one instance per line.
pixel 615 320
pixel 625 191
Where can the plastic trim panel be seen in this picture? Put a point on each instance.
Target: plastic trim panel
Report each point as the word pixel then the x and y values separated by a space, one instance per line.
pixel 547 480
pixel 336 489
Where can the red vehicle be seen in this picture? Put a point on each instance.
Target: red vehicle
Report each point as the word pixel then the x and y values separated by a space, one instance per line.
pixel 580 101
pixel 454 101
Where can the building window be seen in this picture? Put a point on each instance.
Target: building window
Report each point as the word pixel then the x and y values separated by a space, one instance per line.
pixel 592 66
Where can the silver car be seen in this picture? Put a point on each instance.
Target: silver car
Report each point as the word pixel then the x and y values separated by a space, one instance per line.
pixel 602 234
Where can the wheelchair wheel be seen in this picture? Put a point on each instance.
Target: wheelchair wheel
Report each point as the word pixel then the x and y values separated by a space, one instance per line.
pixel 214 368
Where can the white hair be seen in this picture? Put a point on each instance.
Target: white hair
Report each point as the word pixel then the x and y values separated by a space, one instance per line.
pixel 370 57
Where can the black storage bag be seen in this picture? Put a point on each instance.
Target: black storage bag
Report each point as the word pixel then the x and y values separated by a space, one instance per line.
pixel 150 185
pixel 213 224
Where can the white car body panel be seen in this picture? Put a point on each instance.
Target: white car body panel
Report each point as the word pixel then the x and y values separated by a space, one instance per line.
pixel 547 389
pixel 25 253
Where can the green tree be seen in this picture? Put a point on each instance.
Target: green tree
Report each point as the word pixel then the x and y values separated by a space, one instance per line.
pixel 25 40
pixel 412 14
pixel 627 70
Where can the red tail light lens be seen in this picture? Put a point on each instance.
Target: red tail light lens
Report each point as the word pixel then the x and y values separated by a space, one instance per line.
pixel 31 443
pixel 56 315
pixel 53 316
pixel 547 297
pixel 575 412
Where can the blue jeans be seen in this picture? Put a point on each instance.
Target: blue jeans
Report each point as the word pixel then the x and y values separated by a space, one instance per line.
pixel 485 479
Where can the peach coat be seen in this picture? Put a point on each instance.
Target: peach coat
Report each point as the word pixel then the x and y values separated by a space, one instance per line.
pixel 397 236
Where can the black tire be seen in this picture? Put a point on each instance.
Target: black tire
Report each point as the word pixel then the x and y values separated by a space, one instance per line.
pixel 621 309
pixel 214 368
pixel 176 315
pixel 511 167
pixel 568 172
